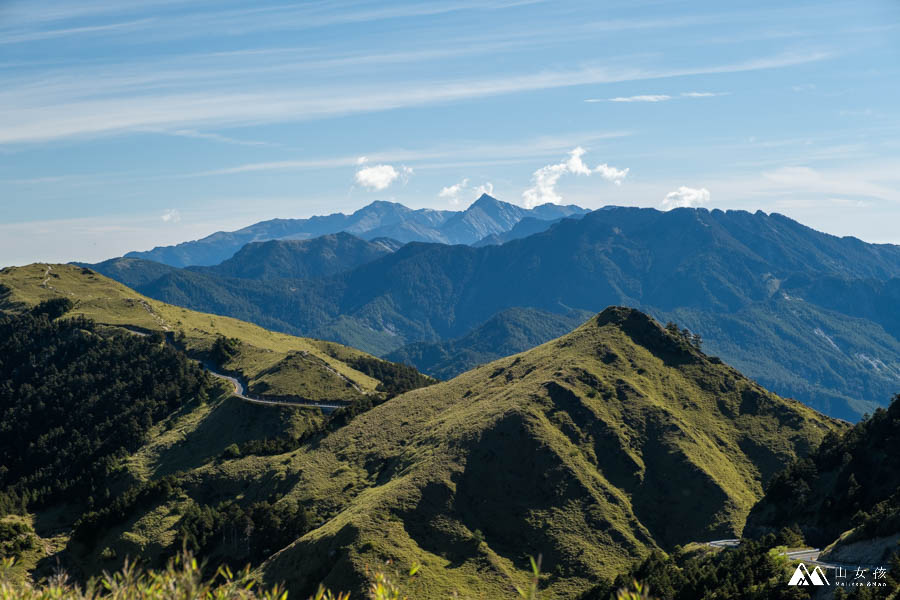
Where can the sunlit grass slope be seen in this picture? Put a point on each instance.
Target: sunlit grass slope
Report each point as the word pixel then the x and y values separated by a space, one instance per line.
pixel 274 364
pixel 590 450
pixel 194 446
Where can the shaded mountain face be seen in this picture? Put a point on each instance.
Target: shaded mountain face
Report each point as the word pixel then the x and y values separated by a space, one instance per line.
pixel 484 217
pixel 323 256
pixel 760 289
pixel 590 450
pixel 508 332
pixel 524 228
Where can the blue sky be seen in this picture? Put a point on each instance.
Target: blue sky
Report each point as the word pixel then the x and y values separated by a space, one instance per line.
pixel 129 125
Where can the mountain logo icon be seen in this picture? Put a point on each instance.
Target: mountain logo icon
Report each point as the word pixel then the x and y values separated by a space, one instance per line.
pixel 802 576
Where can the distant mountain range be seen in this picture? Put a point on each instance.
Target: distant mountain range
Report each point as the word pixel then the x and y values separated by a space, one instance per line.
pixel 485 217
pixel 807 314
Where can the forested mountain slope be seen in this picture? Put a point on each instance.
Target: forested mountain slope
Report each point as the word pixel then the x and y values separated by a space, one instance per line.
pixel 805 313
pixel 852 481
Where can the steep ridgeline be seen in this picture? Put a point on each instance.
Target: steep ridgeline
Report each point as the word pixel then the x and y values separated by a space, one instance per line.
pixel 323 256
pixel 302 259
pixel 849 487
pixel 807 314
pixel 486 216
pixel 524 228
pixel 590 450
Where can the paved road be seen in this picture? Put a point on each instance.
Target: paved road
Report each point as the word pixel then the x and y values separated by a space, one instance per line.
pixel 239 392
pixel 239 387
pixel 808 556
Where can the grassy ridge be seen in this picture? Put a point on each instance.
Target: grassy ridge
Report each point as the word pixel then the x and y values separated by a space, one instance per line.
pixel 279 364
pixel 592 449
pixel 191 446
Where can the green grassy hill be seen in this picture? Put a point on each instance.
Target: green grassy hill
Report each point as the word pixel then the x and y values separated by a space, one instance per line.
pixel 274 364
pixel 591 450
pixel 149 443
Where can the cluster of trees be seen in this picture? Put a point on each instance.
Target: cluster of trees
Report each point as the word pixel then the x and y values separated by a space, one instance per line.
pixel 118 509
pixel 685 334
pixel 75 399
pixel 237 535
pixel 283 444
pixel 226 533
pixel 270 446
pixel 224 349
pixel 849 481
pixel 16 538
pixel 395 378
pixel 756 570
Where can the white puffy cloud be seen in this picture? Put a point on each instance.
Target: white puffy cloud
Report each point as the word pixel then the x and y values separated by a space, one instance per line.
pixel 657 97
pixel 484 188
pixel 616 176
pixel 545 179
pixel 453 193
pixel 685 197
pixel 171 216
pixel 575 164
pixel 380 177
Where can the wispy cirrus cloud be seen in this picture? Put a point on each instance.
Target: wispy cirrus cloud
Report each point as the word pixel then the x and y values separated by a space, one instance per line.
pixel 34 115
pixel 213 137
pixel 643 98
pixel 703 94
pixel 478 153
pixel 657 97
pixel 180 19
pixel 45 34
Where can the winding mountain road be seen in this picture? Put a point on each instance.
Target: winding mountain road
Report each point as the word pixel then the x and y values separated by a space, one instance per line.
pixel 239 387
pixel 809 556
pixel 239 393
